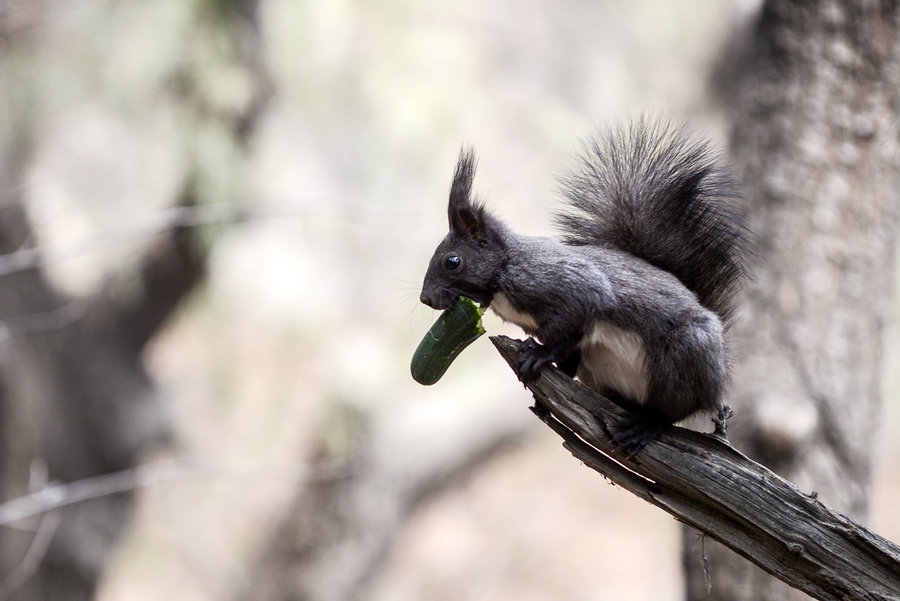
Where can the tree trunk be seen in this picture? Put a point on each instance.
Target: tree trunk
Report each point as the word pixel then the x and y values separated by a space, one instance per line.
pixel 815 139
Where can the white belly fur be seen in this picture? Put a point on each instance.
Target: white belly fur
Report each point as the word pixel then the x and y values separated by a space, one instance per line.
pixel 613 358
pixel 501 306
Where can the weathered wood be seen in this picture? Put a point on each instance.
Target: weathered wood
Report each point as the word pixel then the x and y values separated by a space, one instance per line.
pixel 705 482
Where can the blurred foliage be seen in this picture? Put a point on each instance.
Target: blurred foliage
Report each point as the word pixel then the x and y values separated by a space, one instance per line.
pixel 310 315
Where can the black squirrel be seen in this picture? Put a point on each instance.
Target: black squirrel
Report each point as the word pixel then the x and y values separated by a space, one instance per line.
pixel 636 297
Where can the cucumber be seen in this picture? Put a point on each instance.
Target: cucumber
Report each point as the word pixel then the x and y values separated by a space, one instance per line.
pixel 456 328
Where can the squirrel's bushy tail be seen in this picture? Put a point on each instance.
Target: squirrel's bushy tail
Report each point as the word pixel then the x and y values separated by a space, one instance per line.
pixel 652 190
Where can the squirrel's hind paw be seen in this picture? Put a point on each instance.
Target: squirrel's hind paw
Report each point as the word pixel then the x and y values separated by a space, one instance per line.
pixel 633 431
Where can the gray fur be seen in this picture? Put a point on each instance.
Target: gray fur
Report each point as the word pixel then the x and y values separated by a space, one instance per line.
pixel 658 193
pixel 650 212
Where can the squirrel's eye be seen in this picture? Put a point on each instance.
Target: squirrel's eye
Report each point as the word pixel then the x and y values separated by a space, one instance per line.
pixel 452 262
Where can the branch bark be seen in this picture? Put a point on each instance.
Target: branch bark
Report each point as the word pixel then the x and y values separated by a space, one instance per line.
pixel 705 482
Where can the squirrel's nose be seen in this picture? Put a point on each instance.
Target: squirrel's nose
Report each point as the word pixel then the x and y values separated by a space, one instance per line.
pixel 426 299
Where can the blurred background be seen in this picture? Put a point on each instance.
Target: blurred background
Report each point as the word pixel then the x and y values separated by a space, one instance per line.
pixel 222 211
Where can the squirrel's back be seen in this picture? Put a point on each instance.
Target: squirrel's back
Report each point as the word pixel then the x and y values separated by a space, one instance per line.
pixel 654 191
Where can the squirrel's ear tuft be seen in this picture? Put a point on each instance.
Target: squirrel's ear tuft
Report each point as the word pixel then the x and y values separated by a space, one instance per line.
pixel 465 216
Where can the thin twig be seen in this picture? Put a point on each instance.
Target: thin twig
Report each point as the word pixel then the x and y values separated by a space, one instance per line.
pixel 37 550
pixel 56 496
pixel 144 227
pixel 42 321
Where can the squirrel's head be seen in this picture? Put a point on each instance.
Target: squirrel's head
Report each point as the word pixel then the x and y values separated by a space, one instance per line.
pixel 469 259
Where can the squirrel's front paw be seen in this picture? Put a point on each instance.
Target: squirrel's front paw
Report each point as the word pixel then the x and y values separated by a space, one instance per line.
pixel 533 356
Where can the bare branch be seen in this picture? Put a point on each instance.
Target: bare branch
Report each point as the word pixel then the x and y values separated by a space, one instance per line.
pixel 30 563
pixel 703 481
pixel 57 496
pixel 141 228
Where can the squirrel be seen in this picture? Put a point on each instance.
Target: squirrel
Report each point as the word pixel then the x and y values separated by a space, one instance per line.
pixel 636 297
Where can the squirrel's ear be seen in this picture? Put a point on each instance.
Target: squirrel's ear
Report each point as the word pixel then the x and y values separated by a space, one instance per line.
pixel 467 220
pixel 465 216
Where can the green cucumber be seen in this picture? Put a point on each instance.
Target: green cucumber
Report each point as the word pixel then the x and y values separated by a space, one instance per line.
pixel 456 328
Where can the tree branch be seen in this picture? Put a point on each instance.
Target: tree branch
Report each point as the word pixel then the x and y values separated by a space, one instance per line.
pixel 169 271
pixel 703 481
pixel 35 554
pixel 57 496
pixel 177 262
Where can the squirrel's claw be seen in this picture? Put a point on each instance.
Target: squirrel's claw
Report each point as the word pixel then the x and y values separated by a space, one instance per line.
pixel 634 431
pixel 533 356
